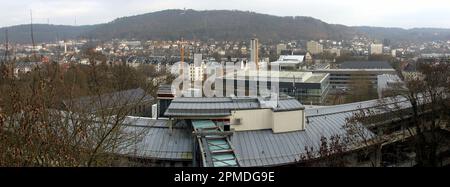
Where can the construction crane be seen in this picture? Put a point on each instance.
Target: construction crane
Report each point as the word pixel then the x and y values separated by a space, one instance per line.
pixel 182 46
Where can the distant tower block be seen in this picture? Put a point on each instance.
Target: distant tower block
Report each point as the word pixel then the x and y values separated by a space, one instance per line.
pixel 254 46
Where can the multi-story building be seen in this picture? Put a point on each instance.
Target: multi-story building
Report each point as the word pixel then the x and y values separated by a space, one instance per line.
pixel 197 69
pixel 280 48
pixel 348 72
pixel 289 62
pixel 254 47
pixel 314 47
pixel 306 87
pixel 376 49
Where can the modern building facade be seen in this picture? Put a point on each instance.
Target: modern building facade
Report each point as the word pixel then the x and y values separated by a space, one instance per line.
pixel 306 87
pixel 348 72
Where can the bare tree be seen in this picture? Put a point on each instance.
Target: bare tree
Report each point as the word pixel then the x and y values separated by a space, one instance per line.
pixel 361 88
pixel 329 153
pixel 56 117
pixel 419 108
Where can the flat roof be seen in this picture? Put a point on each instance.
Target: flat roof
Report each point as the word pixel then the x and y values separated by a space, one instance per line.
pixel 365 65
pixel 299 76
pixel 317 78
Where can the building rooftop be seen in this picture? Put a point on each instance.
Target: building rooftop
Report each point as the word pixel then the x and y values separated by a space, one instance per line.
pixel 252 148
pixel 365 65
pixel 265 148
pixel 283 76
pixel 289 60
pixel 107 101
pixel 165 89
pixel 286 58
pixel 316 78
pixel 203 107
pixel 158 141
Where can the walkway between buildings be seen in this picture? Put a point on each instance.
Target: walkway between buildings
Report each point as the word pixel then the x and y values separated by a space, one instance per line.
pixel 215 146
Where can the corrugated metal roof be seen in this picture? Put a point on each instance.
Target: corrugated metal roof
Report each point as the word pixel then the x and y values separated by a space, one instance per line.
pixel 158 141
pixel 352 107
pixel 165 89
pixel 110 100
pixel 252 148
pixel 265 148
pixel 288 104
pixel 145 122
pixel 224 105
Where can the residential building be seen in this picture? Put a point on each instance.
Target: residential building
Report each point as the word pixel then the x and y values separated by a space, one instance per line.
pixel 376 49
pixel 254 47
pixel 197 69
pixel 280 48
pixel 314 47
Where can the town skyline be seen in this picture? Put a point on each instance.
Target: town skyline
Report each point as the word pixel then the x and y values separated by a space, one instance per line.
pixel 418 14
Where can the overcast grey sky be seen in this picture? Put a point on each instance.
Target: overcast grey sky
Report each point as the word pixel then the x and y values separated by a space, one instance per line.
pixel 388 13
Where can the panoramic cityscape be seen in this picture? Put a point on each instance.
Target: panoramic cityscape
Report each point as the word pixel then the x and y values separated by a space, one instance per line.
pixel 198 85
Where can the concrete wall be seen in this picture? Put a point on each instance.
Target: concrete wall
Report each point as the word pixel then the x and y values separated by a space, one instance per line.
pixel 264 119
pixel 288 121
pixel 252 119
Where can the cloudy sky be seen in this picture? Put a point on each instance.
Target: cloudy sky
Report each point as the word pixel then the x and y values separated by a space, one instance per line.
pixel 389 13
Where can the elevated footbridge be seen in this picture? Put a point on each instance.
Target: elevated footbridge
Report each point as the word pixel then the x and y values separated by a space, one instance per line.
pixel 215 147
